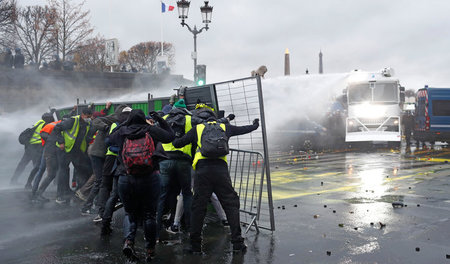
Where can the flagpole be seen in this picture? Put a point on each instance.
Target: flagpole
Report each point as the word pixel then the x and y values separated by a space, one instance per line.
pixel 162 46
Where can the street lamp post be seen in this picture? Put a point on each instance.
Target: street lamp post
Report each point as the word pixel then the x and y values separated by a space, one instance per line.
pixel 183 10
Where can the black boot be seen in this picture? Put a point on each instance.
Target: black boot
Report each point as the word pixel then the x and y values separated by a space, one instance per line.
pixel 106 230
pixel 239 247
pixel 194 248
pixel 128 250
pixel 150 254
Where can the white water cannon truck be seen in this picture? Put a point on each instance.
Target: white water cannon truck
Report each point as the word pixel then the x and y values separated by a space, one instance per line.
pixel 374 102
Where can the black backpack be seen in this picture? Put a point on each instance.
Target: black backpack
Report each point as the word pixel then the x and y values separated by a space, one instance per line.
pixel 25 136
pixel 177 123
pixel 214 141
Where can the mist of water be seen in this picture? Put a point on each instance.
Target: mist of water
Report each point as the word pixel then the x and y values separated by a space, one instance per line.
pixel 54 93
pixel 287 100
pixel 290 99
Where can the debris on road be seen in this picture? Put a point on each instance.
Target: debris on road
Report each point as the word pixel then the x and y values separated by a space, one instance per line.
pixel 397 204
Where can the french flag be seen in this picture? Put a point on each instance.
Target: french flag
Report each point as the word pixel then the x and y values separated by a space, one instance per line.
pixel 163 8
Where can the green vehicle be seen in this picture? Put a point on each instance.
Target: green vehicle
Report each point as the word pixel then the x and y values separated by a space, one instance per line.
pixel 193 95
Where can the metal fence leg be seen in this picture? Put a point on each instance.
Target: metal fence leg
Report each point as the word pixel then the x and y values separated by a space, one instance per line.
pixel 254 222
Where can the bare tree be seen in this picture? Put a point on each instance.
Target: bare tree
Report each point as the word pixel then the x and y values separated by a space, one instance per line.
pixel 142 56
pixel 7 16
pixel 72 26
pixel 91 55
pixel 33 27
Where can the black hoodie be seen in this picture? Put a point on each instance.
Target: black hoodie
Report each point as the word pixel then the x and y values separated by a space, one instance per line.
pixel 136 127
pixel 102 125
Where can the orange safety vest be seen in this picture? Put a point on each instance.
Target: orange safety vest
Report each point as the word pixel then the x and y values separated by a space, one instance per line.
pixel 48 129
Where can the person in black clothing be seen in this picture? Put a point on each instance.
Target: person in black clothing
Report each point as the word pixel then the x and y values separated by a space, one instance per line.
pixel 139 192
pixel 19 59
pixel 7 59
pixel 211 175
pixel 109 193
pixel 408 126
pixel 96 152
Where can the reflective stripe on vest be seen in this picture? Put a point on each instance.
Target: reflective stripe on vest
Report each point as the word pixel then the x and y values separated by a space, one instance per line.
pixel 36 137
pixel 198 155
pixel 186 149
pixel 109 152
pixel 71 135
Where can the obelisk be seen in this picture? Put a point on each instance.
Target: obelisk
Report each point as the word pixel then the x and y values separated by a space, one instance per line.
pixel 287 64
pixel 320 63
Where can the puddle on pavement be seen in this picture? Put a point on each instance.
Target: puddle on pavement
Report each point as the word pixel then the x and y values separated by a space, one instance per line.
pixel 390 198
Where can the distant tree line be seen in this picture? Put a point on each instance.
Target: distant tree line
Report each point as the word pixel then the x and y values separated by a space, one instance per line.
pixel 60 33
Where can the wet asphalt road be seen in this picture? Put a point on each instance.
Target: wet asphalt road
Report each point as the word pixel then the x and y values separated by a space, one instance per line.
pixel 338 209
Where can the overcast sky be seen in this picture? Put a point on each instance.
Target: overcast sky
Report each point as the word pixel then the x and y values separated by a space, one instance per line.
pixel 413 37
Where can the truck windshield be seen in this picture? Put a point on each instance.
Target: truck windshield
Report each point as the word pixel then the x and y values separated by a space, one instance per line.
pixel 359 93
pixel 375 92
pixel 385 92
pixel 441 107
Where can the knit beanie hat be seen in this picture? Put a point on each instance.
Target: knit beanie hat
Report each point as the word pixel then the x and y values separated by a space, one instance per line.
pixel 180 104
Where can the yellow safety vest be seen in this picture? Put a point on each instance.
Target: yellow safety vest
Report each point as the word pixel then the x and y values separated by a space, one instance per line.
pixel 186 149
pixel 71 135
pixel 109 152
pixel 198 155
pixel 36 137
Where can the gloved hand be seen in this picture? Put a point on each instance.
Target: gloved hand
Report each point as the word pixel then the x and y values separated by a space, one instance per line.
pixel 155 116
pixel 231 117
pixel 106 128
pixel 256 122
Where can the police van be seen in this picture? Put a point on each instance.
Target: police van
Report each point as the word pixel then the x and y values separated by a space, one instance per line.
pixel 432 115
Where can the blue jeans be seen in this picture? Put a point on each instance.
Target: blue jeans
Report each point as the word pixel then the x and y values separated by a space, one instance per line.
pixel 38 176
pixel 175 174
pixel 139 195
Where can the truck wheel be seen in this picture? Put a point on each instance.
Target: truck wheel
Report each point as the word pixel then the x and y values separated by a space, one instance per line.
pixel 394 145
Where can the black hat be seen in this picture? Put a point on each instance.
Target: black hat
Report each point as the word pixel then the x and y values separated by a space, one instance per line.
pixel 48 118
pixel 87 111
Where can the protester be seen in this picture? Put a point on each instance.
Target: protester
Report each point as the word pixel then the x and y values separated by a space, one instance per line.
pixel 108 189
pixel 176 170
pixel 166 109
pixel 96 152
pixel 73 136
pixel 33 149
pixel 200 114
pixel 48 146
pixel 139 182
pixel 211 175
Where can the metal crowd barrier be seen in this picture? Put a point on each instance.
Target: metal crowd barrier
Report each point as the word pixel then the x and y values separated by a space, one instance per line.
pixel 247 177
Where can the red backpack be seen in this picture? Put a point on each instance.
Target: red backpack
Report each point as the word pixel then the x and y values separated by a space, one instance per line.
pixel 137 154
